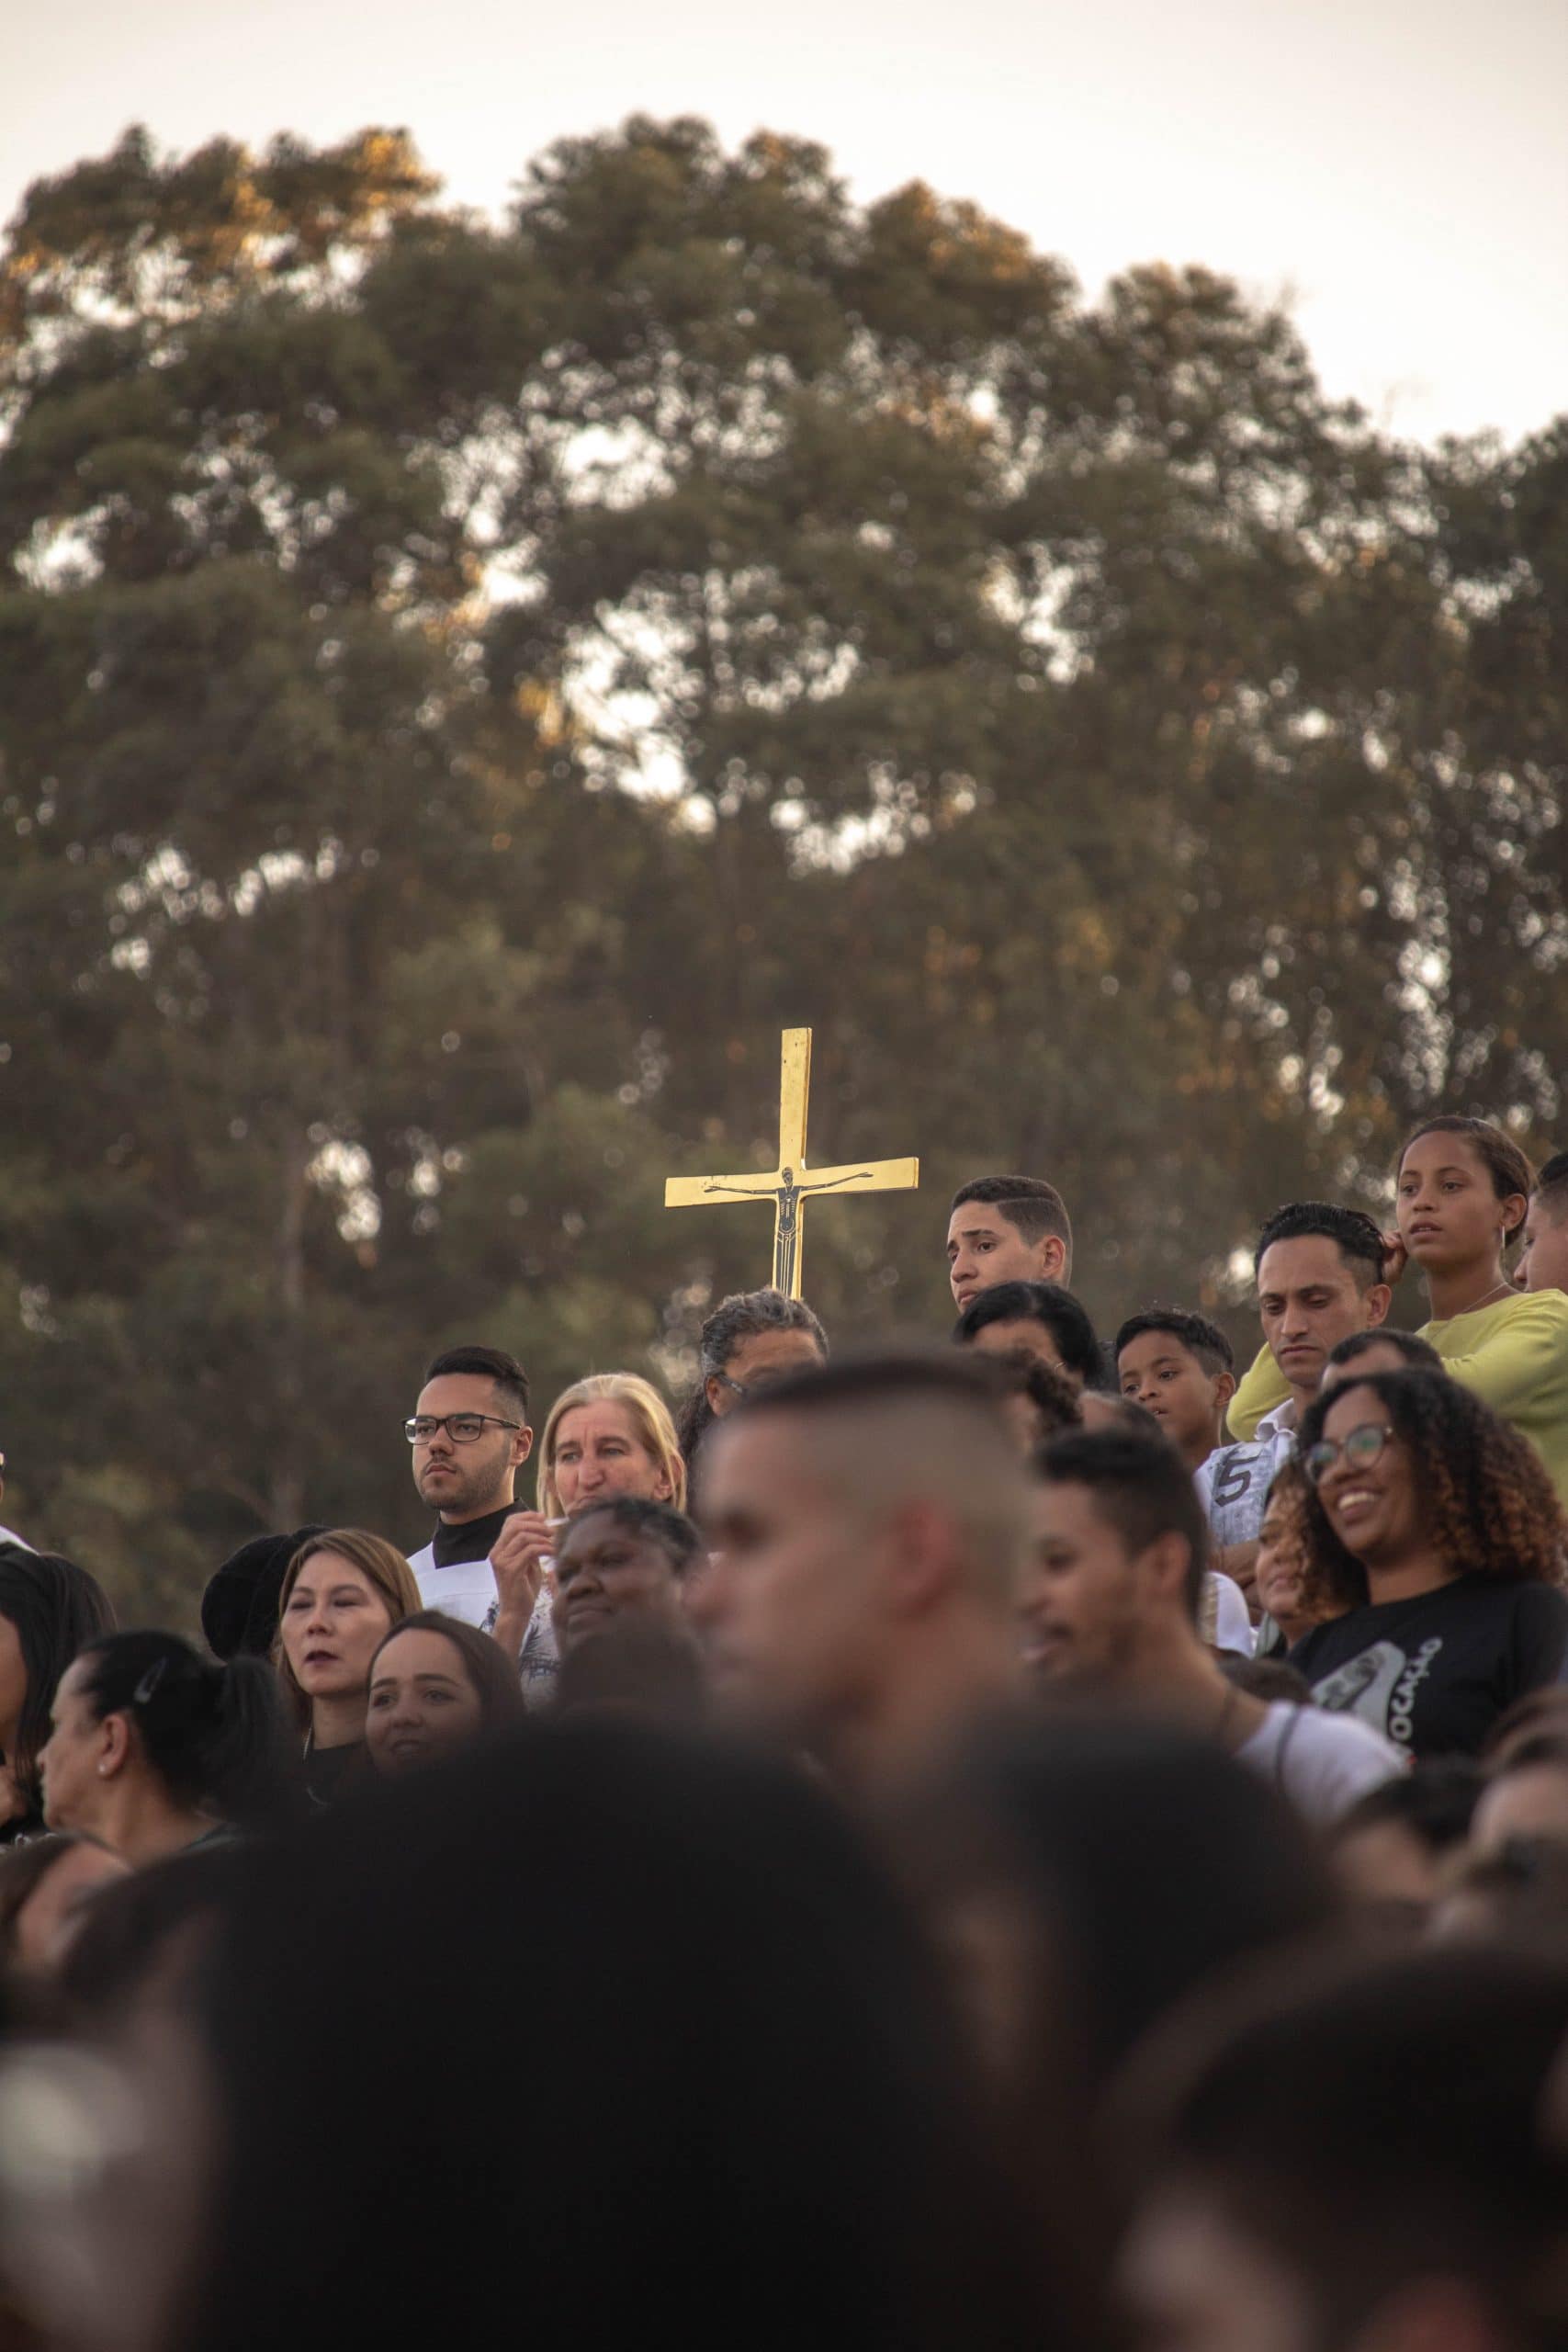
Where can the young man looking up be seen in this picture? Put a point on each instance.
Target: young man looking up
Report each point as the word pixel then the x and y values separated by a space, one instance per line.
pixel 1543 1260
pixel 485 1562
pixel 1110 1600
pixel 1320 1278
pixel 869 1521
pixel 1006 1229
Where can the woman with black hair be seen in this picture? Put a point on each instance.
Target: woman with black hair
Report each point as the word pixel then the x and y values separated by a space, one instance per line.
pixel 1435 1527
pixel 48 1609
pixel 153 1748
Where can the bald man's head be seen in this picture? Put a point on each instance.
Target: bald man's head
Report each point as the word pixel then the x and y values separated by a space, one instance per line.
pixel 850 1509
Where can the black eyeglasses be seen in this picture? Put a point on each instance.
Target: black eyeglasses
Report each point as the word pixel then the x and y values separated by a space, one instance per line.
pixel 1362 1446
pixel 461 1427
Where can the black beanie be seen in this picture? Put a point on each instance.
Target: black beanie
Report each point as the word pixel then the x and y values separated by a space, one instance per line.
pixel 239 1609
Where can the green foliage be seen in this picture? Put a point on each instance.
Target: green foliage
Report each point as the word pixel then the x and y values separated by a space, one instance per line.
pixel 467 686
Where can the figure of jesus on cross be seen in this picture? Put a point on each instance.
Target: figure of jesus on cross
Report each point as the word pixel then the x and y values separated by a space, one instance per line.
pixel 791 1184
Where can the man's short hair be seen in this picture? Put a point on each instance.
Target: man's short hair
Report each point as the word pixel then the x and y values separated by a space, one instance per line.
pixel 1418 1353
pixel 486 1363
pixel 661 1523
pixel 944 1423
pixel 1141 1488
pixel 1551 1187
pixel 1035 1207
pixel 1194 1332
pixel 1352 1231
pixel 1049 1304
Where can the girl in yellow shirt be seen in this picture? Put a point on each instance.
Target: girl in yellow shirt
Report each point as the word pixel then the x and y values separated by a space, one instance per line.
pixel 1463 1189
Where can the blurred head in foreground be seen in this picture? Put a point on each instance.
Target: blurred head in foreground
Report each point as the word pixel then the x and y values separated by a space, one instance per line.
pixel 1360 2167
pixel 685 2013
pixel 868 1521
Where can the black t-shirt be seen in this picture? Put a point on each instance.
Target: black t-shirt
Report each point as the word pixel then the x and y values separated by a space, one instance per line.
pixel 1435 1672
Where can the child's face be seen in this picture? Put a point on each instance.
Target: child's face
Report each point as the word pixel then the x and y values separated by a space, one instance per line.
pixel 1187 1401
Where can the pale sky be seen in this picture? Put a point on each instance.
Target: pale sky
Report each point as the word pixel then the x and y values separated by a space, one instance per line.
pixel 1398 167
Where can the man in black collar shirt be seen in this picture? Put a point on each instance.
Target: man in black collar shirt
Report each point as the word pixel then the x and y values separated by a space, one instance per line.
pixel 471 1436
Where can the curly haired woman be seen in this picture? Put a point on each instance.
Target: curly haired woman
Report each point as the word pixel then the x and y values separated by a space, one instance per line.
pixel 1437 1528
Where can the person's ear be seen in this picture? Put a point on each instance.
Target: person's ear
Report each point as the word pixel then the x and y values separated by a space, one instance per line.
pixel 712 1389
pixel 113 1744
pixel 1052 1259
pixel 1514 1210
pixel 1379 1299
pixel 1167 1562
pixel 1225 1389
pixel 663 1488
pixel 918 1556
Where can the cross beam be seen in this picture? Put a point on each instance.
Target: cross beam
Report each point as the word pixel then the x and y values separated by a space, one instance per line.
pixel 791 1184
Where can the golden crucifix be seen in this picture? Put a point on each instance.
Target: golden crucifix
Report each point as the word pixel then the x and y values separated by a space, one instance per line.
pixel 791 1184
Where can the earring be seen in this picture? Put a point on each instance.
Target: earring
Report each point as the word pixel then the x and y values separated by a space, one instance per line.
pixel 103 1771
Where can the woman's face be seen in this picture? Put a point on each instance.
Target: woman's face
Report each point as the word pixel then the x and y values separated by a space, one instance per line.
pixel 331 1624
pixel 1281 1566
pixel 74 1788
pixel 757 1360
pixel 599 1451
pixel 1448 1208
pixel 421 1701
pixel 1369 1490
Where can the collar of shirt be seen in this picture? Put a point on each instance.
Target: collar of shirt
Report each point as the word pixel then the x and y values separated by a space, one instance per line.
pixel 472 1539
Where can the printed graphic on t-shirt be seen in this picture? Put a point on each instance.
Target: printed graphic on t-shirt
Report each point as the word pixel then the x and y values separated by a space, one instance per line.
pixel 1381 1685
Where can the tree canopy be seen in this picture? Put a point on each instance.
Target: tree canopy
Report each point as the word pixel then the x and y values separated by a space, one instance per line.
pixel 464 687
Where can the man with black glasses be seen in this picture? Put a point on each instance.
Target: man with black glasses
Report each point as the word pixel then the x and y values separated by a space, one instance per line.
pixel 485 1562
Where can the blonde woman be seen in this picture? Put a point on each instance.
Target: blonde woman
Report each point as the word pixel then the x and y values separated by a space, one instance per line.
pixel 610 1434
pixel 343 1593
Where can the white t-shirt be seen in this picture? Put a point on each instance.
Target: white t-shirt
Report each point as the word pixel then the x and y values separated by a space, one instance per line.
pixel 9 1536
pixel 1232 1626
pixel 1322 1762
pixel 1233 1485
pixel 467 1590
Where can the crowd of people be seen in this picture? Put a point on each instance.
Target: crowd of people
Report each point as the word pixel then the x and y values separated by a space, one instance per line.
pixel 1020 1838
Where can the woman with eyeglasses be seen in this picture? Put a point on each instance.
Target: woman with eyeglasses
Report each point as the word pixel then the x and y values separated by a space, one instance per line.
pixel 155 1749
pixel 1435 1526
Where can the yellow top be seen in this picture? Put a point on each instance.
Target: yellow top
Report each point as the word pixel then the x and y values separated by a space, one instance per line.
pixel 1514 1355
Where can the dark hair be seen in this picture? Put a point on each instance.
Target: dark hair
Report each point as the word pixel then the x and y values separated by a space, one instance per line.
pixel 1418 1353
pixel 663 1525
pixel 1356 1235
pixel 23 1869
pixel 1034 1207
pixel 486 1363
pixel 1047 1304
pixel 1055 1395
pixel 1552 1185
pixel 638 1665
pixel 216 1736
pixel 1201 1338
pixel 1157 1861
pixel 1507 1165
pixel 239 1608
pixel 782 2007
pixel 741 1316
pixel 491 1675
pixel 1490 1507
pixel 56 1609
pixel 1269 1679
pixel 1382 2127
pixel 1434 1802
pixel 898 1376
pixel 166 1911
pixel 1141 1488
